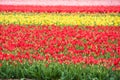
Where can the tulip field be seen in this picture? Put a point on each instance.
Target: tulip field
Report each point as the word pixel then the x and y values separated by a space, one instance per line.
pixel 60 43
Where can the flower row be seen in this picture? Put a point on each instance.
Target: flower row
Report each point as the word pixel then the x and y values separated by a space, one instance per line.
pixel 87 45
pixel 22 58
pixel 61 19
pixel 91 9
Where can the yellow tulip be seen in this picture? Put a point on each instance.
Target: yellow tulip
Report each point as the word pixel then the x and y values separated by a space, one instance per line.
pixel 61 19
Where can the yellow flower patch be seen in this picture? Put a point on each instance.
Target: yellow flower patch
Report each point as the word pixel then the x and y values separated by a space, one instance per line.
pixel 61 19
